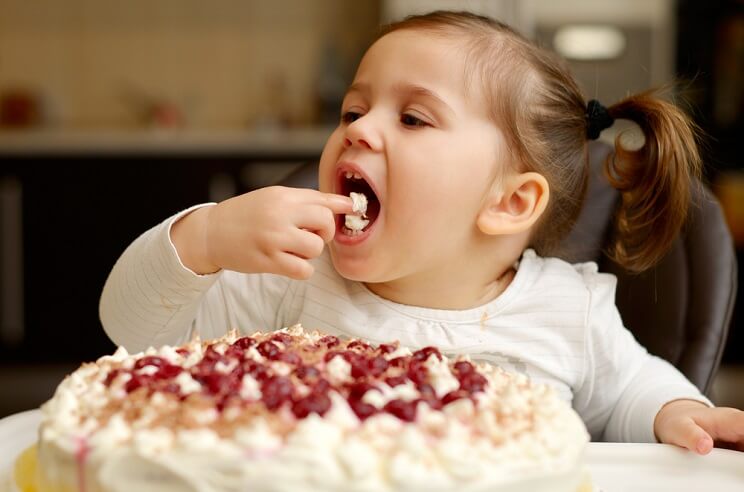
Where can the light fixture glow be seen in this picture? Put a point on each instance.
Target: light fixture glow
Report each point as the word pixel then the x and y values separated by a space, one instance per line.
pixel 589 42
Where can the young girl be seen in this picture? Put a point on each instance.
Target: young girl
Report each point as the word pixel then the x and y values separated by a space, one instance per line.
pixel 470 144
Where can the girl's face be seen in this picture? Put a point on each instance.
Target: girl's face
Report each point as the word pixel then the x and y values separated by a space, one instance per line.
pixel 427 155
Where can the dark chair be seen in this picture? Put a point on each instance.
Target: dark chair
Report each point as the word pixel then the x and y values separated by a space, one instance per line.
pixel 680 309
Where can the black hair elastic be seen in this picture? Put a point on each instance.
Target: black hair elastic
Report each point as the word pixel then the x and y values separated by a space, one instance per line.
pixel 597 119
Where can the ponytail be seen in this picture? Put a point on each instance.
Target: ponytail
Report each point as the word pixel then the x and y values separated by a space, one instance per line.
pixel 654 181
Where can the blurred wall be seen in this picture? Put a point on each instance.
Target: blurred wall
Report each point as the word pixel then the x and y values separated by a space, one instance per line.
pixel 647 26
pixel 224 63
pixel 649 30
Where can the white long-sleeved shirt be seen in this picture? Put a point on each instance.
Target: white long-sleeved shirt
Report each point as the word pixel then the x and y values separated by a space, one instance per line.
pixel 556 322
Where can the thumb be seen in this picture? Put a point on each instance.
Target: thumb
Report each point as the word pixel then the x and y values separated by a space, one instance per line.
pixel 686 433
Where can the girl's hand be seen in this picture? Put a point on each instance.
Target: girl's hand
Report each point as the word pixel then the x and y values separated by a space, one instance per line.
pixel 270 230
pixel 697 427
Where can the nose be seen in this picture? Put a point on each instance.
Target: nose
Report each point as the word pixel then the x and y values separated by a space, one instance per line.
pixel 348 142
pixel 362 133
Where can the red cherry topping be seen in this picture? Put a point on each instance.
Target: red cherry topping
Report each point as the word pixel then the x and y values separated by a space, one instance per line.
pixel 463 367
pixel 290 358
pixel 358 345
pixel 417 372
pixel 329 341
pixel 269 349
pixel 427 391
pixel 313 403
pixel 306 372
pixel 377 365
pixel 169 371
pixel 368 367
pixel 276 390
pixel 454 396
pixel 472 382
pixel 424 353
pixel 257 370
pixel 321 386
pixel 234 352
pixel 404 410
pixel 111 376
pixel 359 368
pixel 211 357
pixel 357 390
pixel 361 409
pixel 171 388
pixel 213 383
pixel 386 348
pixel 330 355
pixel 137 381
pixel 245 343
pixel 399 361
pixel 283 338
pixel 393 381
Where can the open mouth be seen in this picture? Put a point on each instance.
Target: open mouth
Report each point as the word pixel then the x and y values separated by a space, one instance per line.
pixel 354 182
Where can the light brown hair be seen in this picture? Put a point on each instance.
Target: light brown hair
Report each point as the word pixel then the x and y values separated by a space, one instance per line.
pixel 536 102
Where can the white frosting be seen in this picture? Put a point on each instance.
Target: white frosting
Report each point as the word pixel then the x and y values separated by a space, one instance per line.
pixel 406 392
pixel 223 368
pixel 147 370
pixel 359 204
pixel 187 384
pixel 517 438
pixel 339 371
pixel 440 376
pixel 399 352
pixel 358 221
pixel 120 355
pixel 355 222
pixel 281 368
pixel 169 353
pixel 249 388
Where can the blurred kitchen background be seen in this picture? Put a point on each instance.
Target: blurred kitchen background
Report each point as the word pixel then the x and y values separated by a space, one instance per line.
pixel 115 115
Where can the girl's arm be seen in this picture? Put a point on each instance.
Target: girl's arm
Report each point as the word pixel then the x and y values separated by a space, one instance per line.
pixel 150 297
pixel 162 288
pixel 623 386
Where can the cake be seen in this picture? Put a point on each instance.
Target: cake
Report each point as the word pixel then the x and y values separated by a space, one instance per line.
pixel 357 221
pixel 298 411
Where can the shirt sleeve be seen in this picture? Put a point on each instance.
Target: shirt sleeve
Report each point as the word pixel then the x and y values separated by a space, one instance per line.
pixel 623 386
pixel 150 298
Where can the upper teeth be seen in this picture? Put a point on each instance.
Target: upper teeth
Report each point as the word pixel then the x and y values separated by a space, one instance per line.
pixel 350 175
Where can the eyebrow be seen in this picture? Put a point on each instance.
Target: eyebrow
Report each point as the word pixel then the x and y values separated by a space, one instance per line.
pixel 403 88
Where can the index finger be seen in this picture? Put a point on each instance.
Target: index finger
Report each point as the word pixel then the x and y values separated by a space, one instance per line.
pixel 339 204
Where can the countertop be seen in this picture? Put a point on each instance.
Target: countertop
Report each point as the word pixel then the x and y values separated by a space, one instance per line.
pixel 194 142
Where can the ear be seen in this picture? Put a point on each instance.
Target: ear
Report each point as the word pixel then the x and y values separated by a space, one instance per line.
pixel 515 206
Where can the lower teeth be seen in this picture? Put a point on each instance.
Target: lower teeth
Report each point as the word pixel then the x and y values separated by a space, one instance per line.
pixel 352 232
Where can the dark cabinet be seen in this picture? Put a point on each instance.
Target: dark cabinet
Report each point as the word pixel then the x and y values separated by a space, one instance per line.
pixel 78 213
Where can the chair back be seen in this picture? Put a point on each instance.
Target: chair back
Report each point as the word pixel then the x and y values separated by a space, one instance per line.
pixel 681 308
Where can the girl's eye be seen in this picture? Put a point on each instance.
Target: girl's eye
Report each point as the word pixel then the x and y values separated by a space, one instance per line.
pixel 410 120
pixel 350 117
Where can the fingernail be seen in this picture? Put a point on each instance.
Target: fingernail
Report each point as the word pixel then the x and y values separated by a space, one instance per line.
pixel 703 445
